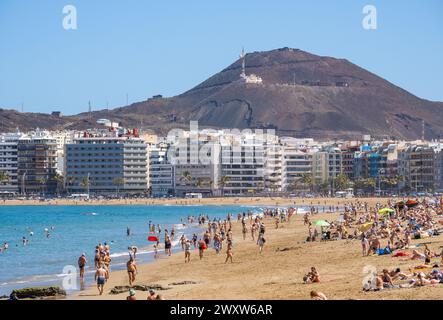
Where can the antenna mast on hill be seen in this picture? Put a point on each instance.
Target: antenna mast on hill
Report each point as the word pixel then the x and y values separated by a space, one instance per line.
pixel 243 64
pixel 90 110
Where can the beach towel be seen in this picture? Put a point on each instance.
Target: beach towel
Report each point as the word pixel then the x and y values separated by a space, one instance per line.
pixel 383 251
pixel 400 254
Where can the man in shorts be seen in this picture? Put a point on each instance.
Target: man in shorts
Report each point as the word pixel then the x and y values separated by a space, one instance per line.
pixel 81 265
pixel 101 275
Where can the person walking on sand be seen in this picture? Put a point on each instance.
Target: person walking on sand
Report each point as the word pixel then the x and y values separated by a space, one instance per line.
pixel 81 265
pixel 132 269
pixel 201 248
pixel 364 244
pixel 183 241
pixel 253 229
pixel 101 275
pixel 187 251
pixel 244 231
pixel 167 244
pixel 229 252
pixel 261 242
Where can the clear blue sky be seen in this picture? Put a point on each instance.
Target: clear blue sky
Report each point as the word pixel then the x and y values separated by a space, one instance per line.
pixel 144 47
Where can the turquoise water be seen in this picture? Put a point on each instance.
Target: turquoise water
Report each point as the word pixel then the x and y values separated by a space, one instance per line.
pixel 78 229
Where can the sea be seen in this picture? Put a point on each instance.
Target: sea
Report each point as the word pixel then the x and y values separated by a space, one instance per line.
pixel 73 230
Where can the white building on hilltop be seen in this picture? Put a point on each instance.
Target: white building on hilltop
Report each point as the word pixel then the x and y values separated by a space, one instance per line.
pixel 252 78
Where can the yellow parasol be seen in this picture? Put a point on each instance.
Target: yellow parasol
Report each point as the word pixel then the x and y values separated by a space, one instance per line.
pixel 366 226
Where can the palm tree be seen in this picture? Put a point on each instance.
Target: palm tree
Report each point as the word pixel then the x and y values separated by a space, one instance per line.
pixel 85 183
pixel 199 183
pixel 294 185
pixel 70 181
pixel 308 179
pixel 118 182
pixel 3 177
pixel 58 178
pixel 342 181
pixel 186 176
pixel 42 182
pixel 223 182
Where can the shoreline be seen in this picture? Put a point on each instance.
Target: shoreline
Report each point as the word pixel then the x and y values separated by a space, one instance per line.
pixel 275 274
pixel 249 201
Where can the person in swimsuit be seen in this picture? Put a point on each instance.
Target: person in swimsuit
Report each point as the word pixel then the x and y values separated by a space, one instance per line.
pixel 201 248
pixel 187 251
pixel 261 242
pixel 364 244
pixel 97 259
pixel 100 276
pixel 183 241
pixel 167 245
pixel 132 269
pixel 244 231
pixel 229 252
pixel 81 265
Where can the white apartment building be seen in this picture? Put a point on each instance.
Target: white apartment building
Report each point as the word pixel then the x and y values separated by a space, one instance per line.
pixel 243 166
pixel 196 167
pixel 9 161
pixel 327 165
pixel 106 164
pixel 296 164
pixel 161 171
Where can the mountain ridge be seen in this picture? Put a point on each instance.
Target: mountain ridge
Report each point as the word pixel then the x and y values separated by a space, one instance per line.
pixel 302 94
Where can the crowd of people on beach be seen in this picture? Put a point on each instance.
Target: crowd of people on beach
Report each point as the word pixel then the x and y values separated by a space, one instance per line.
pixel 388 230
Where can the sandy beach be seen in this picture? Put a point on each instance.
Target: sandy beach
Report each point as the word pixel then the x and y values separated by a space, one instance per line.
pixel 250 201
pixel 274 274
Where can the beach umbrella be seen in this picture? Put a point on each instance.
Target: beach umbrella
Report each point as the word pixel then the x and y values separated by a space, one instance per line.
pixel 385 211
pixel 411 203
pixel 322 223
pixel 152 239
pixel 366 226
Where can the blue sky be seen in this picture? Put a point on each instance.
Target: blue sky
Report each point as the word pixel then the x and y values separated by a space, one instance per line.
pixel 146 47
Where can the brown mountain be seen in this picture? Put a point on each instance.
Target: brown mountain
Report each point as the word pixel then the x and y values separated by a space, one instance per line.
pixel 301 94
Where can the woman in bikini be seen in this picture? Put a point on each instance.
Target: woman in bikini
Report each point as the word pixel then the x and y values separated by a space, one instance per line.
pixel 229 252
